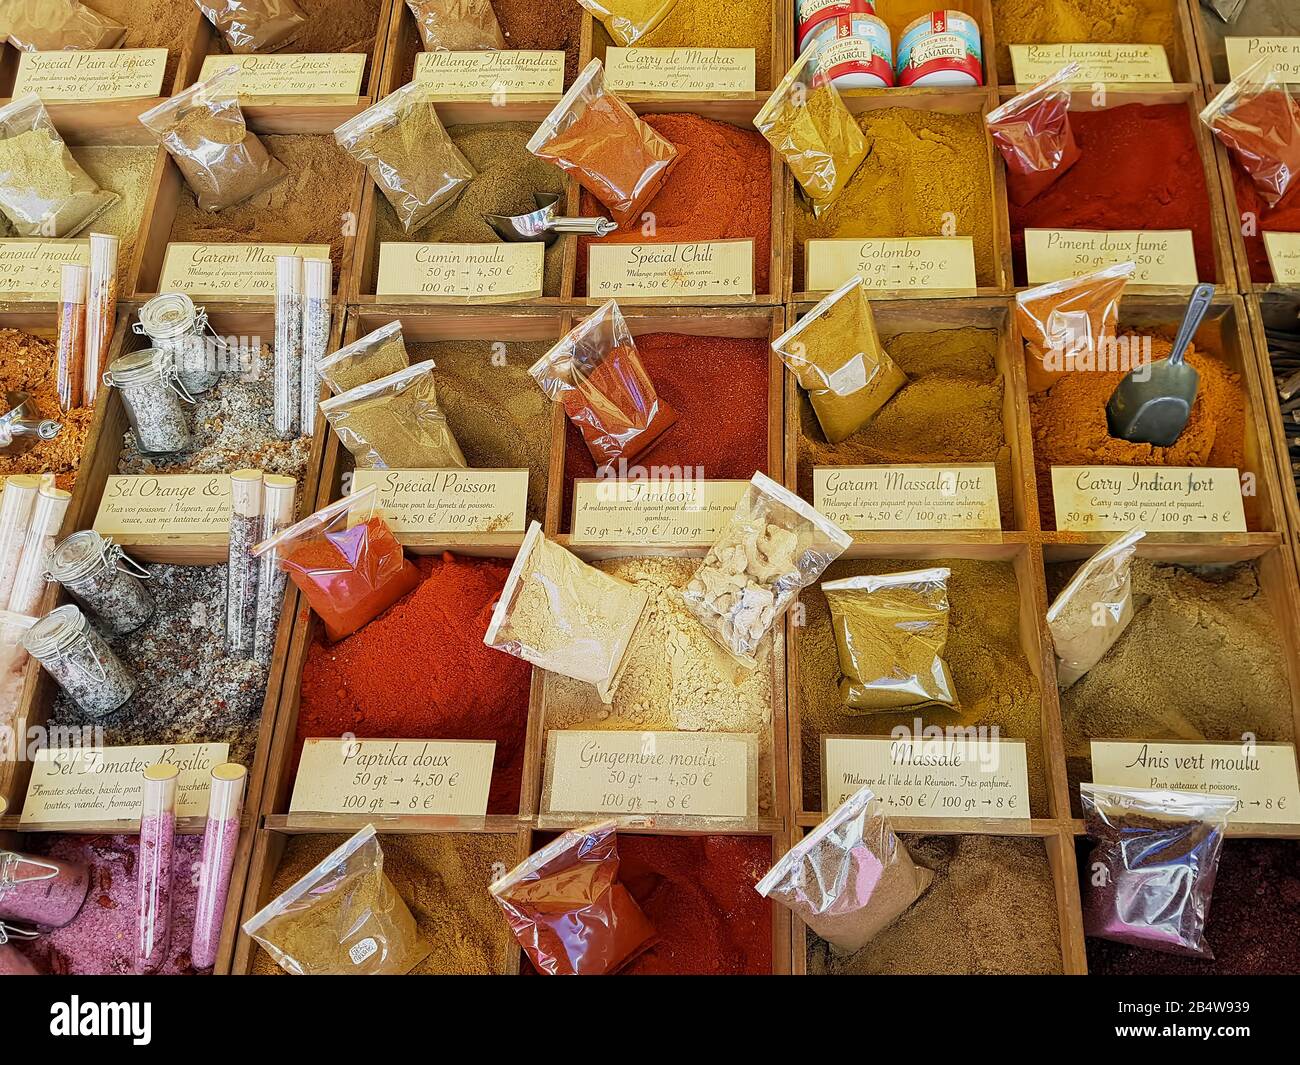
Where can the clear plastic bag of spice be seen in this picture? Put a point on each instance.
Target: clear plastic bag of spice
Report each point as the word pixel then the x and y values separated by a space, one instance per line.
pixel 204 131
pixel 569 910
pixel 58 25
pixel 1150 874
pixel 344 918
pixel 1069 323
pixel 593 135
pixel 596 373
pixel 1257 116
pixel 890 631
pixel 254 25
pixel 395 423
pixel 809 127
pixel 1034 135
pixel 850 878
pixel 457 25
pixel 409 154
pixel 345 561
pixel 43 190
pixel 836 356
pixel 373 356
pixel 627 21
pixel 773 546
pixel 1094 609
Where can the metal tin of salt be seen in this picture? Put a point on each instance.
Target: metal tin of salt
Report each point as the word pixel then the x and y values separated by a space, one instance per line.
pixel 853 51
pixel 177 326
pixel 941 48
pixel 811 12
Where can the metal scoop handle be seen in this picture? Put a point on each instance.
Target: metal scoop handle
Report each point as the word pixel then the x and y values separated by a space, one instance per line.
pixel 1197 308
pixel 598 227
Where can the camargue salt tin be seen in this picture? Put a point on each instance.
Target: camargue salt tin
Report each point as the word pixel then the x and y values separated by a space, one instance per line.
pixel 941 48
pixel 854 51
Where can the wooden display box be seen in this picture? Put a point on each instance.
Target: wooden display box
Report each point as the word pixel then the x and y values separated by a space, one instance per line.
pixel 1281 309
pixel 924 316
pixel 1210 53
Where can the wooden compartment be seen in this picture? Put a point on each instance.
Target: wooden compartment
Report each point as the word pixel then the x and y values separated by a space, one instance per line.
pixel 924 316
pixel 1283 310
pixel 1251 22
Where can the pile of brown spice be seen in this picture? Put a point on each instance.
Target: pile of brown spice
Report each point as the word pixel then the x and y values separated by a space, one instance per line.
pixel 161 24
pixel 27 364
pixel 950 410
pixel 1070 429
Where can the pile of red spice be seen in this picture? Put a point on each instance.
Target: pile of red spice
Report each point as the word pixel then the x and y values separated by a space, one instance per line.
pixel 1253 926
pixel 1140 169
pixel 421 671
pixel 720 189
pixel 717 387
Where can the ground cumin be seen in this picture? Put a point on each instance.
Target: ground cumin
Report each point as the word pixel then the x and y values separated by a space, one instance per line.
pixel 994 682
pixel 27 364
pixel 1069 425
pixel 1081 22
pixel 927 174
pixel 950 410
pixel 443 879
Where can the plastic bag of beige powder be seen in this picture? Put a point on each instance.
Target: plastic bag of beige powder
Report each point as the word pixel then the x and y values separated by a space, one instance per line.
pixel 375 355
pixel 457 25
pixel 565 616
pixel 891 630
pixel 204 131
pixel 774 544
pixel 850 878
pixel 1094 609
pixel 627 21
pixel 344 918
pixel 43 190
pixel 254 25
pixel 58 26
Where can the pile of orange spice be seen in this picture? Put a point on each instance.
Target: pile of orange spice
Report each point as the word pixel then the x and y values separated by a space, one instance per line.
pixel 28 364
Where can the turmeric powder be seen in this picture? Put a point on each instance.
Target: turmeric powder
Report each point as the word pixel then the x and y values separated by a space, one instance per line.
pixel 1080 22
pixel 1069 424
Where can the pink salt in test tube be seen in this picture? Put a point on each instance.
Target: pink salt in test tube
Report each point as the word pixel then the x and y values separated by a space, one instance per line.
pixel 220 839
pixel 157 837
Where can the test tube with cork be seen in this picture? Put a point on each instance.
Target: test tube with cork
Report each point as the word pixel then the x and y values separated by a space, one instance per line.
pixel 154 868
pixel 71 356
pixel 278 498
pixel 288 345
pixel 317 275
pixel 220 840
pixel 101 310
pixel 246 492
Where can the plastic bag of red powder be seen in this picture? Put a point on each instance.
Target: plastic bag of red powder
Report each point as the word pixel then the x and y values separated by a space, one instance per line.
pixel 568 909
pixel 1257 116
pixel 1151 874
pixel 346 561
pixel 596 373
pixel 1033 133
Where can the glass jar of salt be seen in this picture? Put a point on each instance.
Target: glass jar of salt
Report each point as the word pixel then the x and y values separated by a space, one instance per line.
pixel 100 576
pixel 154 399
pixel 178 327
pixel 80 660
pixel 41 891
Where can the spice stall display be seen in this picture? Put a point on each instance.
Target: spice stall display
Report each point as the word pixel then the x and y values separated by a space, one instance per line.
pixel 1257 18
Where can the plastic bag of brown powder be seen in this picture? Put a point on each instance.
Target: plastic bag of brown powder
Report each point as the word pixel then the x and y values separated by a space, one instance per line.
pixel 457 25
pixel 254 25
pixel 58 25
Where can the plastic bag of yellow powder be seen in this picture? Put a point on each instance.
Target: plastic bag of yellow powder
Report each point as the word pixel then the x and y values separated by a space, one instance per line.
pixel 806 121
pixel 627 21
pixel 891 630
pixel 836 356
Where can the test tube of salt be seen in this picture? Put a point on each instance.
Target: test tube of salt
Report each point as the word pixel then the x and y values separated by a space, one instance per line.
pixel 43 530
pixel 317 275
pixel 101 309
pixel 241 572
pixel 153 915
pixel 288 345
pixel 71 358
pixel 277 515
pixel 220 839
pixel 16 506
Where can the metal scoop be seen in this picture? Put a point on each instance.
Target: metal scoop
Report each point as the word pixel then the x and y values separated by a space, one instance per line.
pixel 544 224
pixel 1155 410
pixel 22 422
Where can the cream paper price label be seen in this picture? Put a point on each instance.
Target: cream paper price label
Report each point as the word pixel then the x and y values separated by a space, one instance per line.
pixel 1282 52
pixel 115 74
pixel 228 269
pixel 34 268
pixel 892 263
pixel 165 504
pixel 1163 256
pixel 449 501
pixel 393 777
pixel 636 774
pixel 1284 256
pixel 333 74
pixel 1260 776
pixel 652 512
pixel 942 776
pixel 466 273
pixel 700 71
pixel 1146 64
pixel 882 498
pixel 1153 498
pixel 705 268
pixel 73 784
pixel 512 72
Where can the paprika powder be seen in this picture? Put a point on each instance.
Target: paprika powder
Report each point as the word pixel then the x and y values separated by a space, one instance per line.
pixel 1258 118
pixel 1256 218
